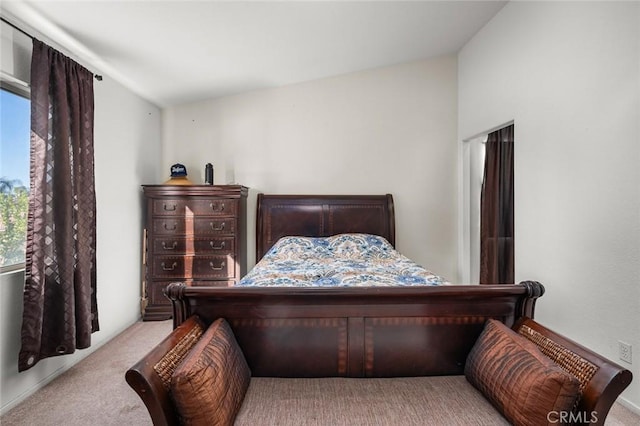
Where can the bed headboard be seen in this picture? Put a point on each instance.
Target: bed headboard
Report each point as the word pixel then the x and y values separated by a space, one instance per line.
pixel 322 216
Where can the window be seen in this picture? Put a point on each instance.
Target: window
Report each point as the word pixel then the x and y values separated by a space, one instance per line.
pixel 15 125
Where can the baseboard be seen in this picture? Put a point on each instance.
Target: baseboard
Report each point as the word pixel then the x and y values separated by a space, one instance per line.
pixel 39 385
pixel 629 405
pixel 58 372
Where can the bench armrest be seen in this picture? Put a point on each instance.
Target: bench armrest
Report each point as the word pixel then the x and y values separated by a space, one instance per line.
pixel 151 376
pixel 602 380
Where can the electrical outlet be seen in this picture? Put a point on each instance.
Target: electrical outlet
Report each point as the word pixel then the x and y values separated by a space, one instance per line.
pixel 625 351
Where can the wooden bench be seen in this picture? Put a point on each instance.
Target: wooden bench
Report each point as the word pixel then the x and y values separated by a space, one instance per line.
pixel 267 397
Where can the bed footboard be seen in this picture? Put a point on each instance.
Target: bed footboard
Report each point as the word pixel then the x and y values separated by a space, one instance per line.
pixel 356 332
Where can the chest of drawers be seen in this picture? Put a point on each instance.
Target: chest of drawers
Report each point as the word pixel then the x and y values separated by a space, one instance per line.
pixel 194 234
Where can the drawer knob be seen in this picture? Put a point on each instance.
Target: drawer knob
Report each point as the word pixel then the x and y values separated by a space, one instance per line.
pixel 173 228
pixel 171 268
pixel 215 247
pixel 170 208
pixel 172 247
pixel 217 227
pixel 217 268
pixel 217 206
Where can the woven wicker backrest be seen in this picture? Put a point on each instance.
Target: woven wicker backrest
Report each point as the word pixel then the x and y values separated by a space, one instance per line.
pixel 168 363
pixel 568 360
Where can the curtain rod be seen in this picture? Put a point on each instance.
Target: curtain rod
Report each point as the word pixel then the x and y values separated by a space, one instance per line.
pixel 96 76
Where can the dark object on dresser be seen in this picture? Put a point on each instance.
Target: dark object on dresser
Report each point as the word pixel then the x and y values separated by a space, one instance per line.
pixel 194 234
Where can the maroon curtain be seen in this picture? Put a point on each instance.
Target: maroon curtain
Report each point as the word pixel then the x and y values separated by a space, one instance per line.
pixel 496 210
pixel 60 310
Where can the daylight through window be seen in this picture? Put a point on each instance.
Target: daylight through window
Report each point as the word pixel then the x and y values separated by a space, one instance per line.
pixel 14 178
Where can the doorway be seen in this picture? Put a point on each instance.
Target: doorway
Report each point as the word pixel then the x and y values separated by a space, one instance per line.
pixel 474 151
pixel 473 170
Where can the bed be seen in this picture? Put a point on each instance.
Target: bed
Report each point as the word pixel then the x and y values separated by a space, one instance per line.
pixel 349 331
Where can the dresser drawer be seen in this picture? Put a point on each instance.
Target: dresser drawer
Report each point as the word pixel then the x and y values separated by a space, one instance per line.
pixel 197 207
pixel 195 226
pixel 181 245
pixel 177 267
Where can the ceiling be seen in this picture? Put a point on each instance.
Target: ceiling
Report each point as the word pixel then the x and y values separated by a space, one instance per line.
pixel 172 52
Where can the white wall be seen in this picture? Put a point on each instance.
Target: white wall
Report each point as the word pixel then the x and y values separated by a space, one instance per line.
pixel 390 130
pixel 127 154
pixel 15 55
pixel 568 74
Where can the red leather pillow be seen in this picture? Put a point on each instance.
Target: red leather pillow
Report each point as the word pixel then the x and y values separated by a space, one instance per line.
pixel 519 380
pixel 209 385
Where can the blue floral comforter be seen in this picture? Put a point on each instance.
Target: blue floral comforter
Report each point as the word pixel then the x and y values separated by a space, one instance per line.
pixel 345 260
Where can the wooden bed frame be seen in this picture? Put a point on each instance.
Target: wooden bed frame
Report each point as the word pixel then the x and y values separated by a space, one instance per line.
pixel 355 332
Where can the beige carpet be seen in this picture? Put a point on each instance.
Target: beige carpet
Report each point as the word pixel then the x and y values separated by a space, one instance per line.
pixel 94 391
pixel 335 401
pixel 411 401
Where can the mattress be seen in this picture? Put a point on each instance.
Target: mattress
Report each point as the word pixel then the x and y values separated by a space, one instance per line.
pixel 344 260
